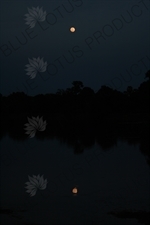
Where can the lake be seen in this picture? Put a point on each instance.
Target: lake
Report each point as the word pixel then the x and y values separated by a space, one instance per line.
pixel 108 179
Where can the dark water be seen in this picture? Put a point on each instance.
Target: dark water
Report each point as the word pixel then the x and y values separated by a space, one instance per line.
pixel 110 179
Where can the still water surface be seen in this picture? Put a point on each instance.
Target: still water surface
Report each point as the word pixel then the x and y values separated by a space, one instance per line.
pixel 112 180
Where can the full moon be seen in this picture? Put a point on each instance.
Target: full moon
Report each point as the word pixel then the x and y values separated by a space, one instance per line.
pixel 72 29
pixel 74 190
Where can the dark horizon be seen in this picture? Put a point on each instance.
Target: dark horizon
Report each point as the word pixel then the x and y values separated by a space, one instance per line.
pixel 63 91
pixel 79 100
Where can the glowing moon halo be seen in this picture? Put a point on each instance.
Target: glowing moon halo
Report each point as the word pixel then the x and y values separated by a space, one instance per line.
pixel 72 29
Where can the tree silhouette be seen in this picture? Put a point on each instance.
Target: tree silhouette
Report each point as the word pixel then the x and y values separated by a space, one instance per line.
pixel 105 90
pixel 87 92
pixel 129 91
pixel 77 87
pixel 81 100
pixel 60 92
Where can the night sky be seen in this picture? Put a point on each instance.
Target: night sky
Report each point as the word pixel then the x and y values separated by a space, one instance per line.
pixel 110 46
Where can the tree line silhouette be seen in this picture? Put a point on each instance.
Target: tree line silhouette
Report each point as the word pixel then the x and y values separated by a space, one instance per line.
pixel 80 100
pixel 79 117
